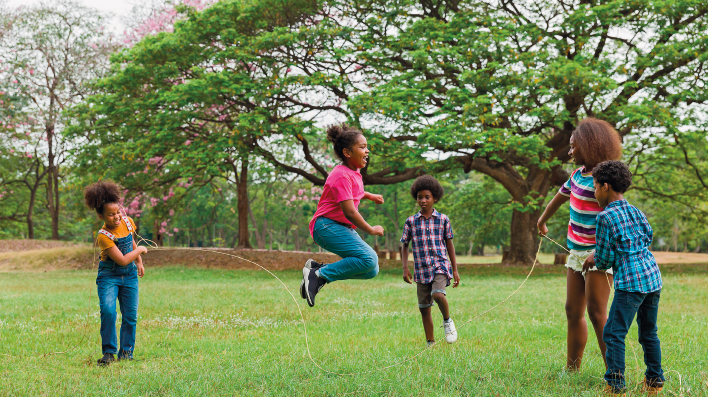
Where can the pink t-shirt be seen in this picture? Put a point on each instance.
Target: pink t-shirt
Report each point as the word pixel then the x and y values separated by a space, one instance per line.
pixel 342 184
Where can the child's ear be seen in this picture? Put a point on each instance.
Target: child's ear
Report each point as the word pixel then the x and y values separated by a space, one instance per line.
pixel 100 216
pixel 344 152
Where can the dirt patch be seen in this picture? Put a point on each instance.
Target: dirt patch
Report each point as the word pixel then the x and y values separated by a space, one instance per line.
pixel 679 257
pixel 31 245
pixel 43 256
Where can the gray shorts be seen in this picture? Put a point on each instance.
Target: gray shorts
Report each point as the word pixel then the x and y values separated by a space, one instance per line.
pixel 426 291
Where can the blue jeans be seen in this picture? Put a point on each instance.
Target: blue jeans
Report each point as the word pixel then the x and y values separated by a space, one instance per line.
pixel 121 283
pixel 359 261
pixel 624 307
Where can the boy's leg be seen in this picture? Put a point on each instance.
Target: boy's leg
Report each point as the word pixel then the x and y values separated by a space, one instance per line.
pixel 575 313
pixel 438 293
pixel 128 297
pixel 597 292
pixel 107 293
pixel 624 308
pixel 648 338
pixel 359 261
pixel 425 302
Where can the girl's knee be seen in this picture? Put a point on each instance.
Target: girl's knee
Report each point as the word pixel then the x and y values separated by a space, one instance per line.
pixel 372 262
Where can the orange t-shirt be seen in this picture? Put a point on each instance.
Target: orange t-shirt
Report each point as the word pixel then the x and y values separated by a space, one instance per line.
pixel 121 231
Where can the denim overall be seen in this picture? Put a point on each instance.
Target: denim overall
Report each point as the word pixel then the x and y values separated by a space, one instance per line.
pixel 118 282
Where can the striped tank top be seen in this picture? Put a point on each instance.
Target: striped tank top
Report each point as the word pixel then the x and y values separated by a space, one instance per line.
pixel 583 210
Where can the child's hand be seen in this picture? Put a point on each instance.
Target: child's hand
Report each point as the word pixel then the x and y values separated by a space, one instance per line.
pixel 377 230
pixel 377 198
pixel 141 270
pixel 407 276
pixel 143 250
pixel 589 263
pixel 542 229
pixel 456 277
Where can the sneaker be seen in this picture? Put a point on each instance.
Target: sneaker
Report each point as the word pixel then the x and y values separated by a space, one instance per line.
pixel 313 285
pixel 613 391
pixel 450 331
pixel 652 387
pixel 310 264
pixel 107 359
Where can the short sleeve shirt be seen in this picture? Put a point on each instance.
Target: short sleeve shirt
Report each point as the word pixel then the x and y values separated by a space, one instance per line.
pixel 583 210
pixel 121 231
pixel 342 184
pixel 428 238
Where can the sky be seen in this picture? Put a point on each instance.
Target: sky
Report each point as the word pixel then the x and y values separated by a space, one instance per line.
pixel 119 9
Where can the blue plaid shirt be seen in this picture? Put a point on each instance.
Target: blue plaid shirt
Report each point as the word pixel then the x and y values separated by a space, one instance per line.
pixel 623 238
pixel 429 250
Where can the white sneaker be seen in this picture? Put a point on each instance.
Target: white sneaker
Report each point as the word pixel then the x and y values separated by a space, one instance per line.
pixel 450 331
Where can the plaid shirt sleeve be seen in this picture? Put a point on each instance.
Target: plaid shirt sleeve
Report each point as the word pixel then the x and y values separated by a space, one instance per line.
pixel 605 244
pixel 407 232
pixel 447 229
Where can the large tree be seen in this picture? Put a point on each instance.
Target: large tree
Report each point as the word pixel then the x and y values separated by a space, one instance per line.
pixel 498 87
pixel 48 54
pixel 192 103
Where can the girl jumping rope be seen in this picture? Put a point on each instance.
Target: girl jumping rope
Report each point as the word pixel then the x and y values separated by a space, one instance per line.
pixel 332 226
pixel 118 271
pixel 592 142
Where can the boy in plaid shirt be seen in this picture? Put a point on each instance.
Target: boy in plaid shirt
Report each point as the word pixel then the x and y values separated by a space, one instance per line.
pixel 431 234
pixel 623 237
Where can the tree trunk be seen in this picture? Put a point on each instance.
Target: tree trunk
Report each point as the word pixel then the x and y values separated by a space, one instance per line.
pixel 524 238
pixel 259 241
pixel 157 237
pixel 52 182
pixel 242 206
pixel 30 211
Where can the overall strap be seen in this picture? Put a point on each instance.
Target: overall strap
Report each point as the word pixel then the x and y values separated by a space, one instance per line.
pixel 127 223
pixel 107 234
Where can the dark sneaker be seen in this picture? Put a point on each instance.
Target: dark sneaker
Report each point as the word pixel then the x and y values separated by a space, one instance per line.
pixel 313 285
pixel 652 387
pixel 107 359
pixel 310 264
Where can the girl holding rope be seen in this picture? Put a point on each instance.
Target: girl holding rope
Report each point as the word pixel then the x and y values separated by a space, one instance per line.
pixel 592 142
pixel 332 226
pixel 118 271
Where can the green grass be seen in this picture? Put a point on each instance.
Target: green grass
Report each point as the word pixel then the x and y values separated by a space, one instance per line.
pixel 217 332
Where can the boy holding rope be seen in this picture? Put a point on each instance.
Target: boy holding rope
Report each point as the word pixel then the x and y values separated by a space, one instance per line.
pixel 431 234
pixel 623 239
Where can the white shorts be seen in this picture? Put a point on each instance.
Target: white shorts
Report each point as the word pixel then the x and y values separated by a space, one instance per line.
pixel 577 258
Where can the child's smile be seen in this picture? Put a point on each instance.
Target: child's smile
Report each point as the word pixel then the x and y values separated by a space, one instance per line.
pixel 111 215
pixel 359 157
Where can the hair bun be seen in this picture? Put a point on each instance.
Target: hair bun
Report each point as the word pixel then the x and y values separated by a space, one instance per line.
pixel 333 132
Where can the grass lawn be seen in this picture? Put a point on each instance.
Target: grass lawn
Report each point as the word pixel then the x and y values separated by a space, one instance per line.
pixel 220 332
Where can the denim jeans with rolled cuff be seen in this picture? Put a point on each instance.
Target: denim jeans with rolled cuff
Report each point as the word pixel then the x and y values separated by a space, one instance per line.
pixel 625 306
pixel 359 261
pixel 119 283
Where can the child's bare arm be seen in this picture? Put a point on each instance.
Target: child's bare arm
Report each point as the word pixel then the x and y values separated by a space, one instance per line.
pixel 139 261
pixel 123 260
pixel 404 258
pixel 453 261
pixel 353 216
pixel 376 198
pixel 551 209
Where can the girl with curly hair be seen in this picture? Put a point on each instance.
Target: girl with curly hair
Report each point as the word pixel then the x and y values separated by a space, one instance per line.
pixel 332 226
pixel 592 142
pixel 118 270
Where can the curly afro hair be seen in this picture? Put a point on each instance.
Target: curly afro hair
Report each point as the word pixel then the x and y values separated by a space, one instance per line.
pixel 98 194
pixel 597 140
pixel 615 173
pixel 343 137
pixel 427 182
